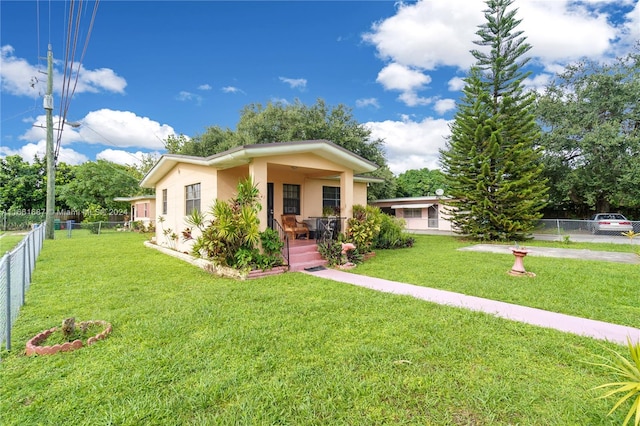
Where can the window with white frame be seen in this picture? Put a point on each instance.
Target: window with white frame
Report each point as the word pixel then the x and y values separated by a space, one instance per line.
pixel 192 198
pixel 164 201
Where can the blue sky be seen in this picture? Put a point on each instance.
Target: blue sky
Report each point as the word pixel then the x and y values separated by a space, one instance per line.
pixel 155 68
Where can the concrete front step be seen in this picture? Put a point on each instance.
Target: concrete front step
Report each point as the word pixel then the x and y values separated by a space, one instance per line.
pixel 304 256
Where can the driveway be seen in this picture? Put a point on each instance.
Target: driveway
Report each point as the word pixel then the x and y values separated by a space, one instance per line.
pixel 609 256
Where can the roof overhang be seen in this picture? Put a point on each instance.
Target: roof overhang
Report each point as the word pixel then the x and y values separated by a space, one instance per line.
pixel 411 206
pixel 136 198
pixel 244 154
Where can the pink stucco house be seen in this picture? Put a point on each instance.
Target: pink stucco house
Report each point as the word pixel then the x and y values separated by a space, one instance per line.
pixel 419 213
pixel 143 209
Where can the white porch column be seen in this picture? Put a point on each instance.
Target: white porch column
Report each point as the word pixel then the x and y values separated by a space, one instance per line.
pixel 346 195
pixel 258 172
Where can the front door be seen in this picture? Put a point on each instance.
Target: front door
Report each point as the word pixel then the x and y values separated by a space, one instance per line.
pixel 270 204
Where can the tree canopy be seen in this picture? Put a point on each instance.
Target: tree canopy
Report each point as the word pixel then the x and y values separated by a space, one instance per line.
pixel 492 166
pixel 280 122
pixel 591 136
pixel 420 183
pixel 23 185
pixel 98 183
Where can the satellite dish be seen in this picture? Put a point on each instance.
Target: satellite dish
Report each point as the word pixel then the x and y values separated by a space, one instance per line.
pixel 439 192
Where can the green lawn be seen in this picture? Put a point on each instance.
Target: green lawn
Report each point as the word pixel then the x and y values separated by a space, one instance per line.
pixel 192 349
pixel 9 240
pixel 592 289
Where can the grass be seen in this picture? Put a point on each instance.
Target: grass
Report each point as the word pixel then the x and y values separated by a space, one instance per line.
pixel 188 348
pixel 9 240
pixel 592 289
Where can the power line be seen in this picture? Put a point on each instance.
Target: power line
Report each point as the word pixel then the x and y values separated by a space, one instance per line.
pixel 67 93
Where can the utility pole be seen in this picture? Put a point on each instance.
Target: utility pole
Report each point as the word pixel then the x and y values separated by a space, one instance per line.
pixel 51 167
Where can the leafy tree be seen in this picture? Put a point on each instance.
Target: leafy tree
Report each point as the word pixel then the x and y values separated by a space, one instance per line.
pixel 213 141
pixel 591 121
pixel 99 182
pixel 22 185
pixel 279 122
pixel 420 183
pixel 492 165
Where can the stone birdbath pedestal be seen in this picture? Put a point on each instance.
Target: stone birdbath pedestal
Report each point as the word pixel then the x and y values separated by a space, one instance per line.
pixel 518 266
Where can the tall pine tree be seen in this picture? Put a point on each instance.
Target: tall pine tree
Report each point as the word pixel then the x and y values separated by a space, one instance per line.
pixel 492 163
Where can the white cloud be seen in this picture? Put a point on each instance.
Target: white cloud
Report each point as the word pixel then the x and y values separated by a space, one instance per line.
pixel 38 131
pixel 97 80
pixel 126 158
pixel 231 89
pixel 408 81
pixel 20 78
pixel 39 148
pixel 123 129
pixel 444 105
pixel 456 84
pixel 430 35
pixel 205 87
pixel 632 26
pixel 185 96
pixel 367 102
pixel 295 83
pixel 399 77
pixel 411 144
pixel 538 83
pixel 109 127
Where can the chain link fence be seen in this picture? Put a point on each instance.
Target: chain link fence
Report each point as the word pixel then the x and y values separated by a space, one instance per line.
pixel 581 227
pixel 16 267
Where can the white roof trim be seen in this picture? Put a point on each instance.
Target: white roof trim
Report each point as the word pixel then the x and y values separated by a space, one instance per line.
pixel 243 155
pixel 411 206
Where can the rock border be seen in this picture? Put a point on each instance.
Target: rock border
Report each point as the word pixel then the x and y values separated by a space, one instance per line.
pixel 32 347
pixel 221 271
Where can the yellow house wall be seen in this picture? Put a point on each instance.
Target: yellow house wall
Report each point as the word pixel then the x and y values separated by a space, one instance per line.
pixel 307 160
pixel 175 182
pixel 222 184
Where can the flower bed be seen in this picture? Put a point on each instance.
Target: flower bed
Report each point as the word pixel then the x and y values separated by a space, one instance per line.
pixel 33 348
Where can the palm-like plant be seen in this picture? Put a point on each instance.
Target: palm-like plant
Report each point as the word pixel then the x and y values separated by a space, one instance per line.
pixel 629 372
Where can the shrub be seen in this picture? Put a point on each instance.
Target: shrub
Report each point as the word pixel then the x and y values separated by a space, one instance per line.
pixel 392 234
pixel 231 238
pixel 93 216
pixel 364 226
pixel 629 373
pixel 331 251
pixel 271 249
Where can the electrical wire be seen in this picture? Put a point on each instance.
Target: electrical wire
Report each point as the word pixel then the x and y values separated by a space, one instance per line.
pixel 69 63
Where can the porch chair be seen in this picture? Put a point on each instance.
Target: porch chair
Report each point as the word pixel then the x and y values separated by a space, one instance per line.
pixel 293 228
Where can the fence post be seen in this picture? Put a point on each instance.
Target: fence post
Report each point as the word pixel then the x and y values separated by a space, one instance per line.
pixel 25 267
pixel 8 307
pixel 558 225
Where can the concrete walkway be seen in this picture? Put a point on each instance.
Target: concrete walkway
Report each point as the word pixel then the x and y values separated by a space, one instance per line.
pixel 566 323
